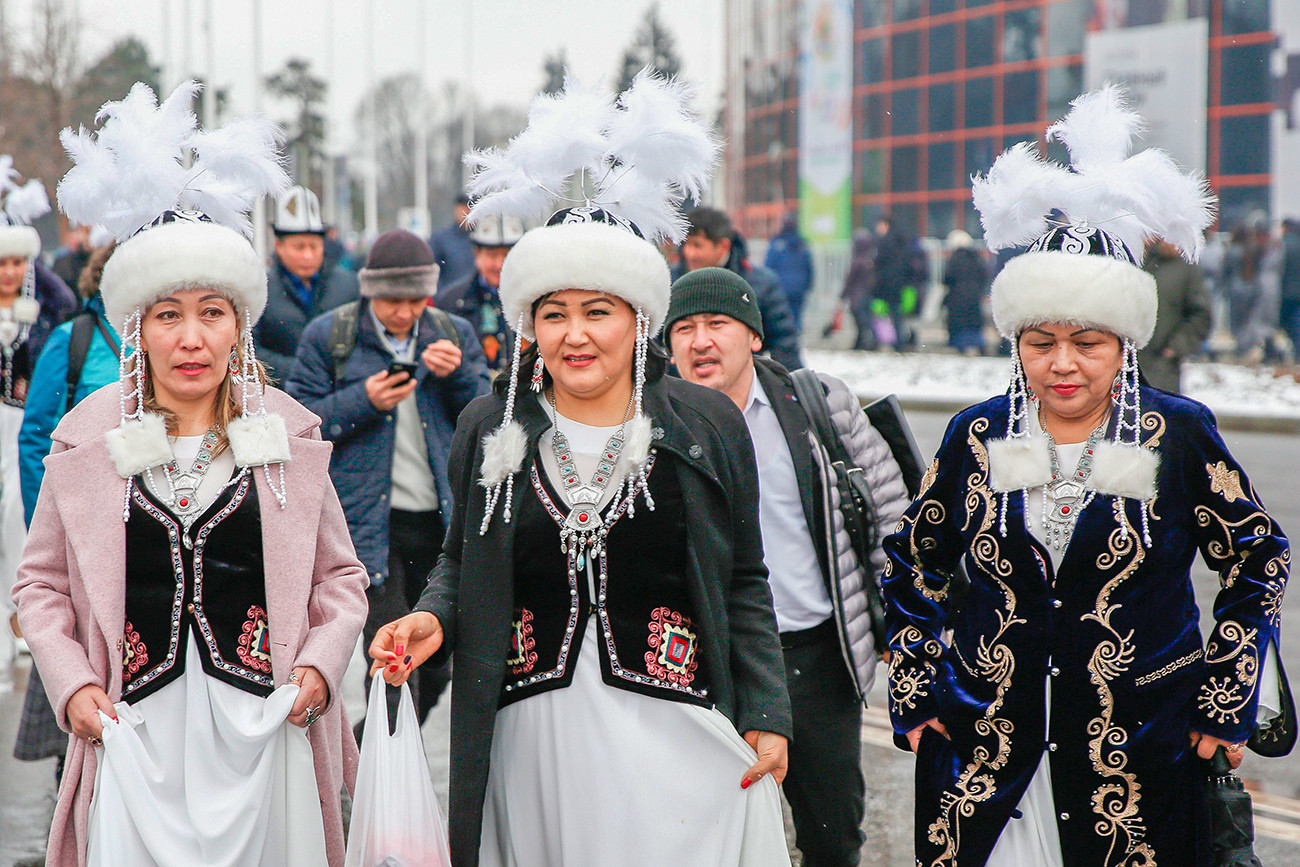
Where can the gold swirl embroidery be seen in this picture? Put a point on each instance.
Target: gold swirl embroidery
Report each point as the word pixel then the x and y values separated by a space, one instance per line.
pixel 1224 698
pixel 1153 421
pixel 1169 669
pixel 994 661
pixel 1255 525
pixel 1276 571
pixel 908 685
pixel 933 514
pixel 931 473
pixel 1225 481
pixel 1115 802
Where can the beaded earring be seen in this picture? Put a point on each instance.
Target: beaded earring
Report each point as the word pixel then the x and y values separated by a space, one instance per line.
pixel 233 366
pixel 538 367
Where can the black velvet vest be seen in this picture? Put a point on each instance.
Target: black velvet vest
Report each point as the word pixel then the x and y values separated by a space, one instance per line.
pixel 209 580
pixel 645 616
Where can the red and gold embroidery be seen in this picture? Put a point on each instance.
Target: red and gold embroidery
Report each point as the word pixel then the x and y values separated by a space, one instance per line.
pixel 673 646
pixel 522 656
pixel 134 655
pixel 255 641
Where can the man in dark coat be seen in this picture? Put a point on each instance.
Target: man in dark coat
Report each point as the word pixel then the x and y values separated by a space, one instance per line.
pixel 1183 318
pixel 392 430
pixel 898 279
pixel 476 297
pixel 299 287
pixel 452 248
pixel 788 257
pixel 712 242
pixel 1289 314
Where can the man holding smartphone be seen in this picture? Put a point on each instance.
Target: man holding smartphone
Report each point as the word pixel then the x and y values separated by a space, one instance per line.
pixel 388 376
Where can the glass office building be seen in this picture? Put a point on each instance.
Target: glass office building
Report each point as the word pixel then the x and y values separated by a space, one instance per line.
pixel 940 87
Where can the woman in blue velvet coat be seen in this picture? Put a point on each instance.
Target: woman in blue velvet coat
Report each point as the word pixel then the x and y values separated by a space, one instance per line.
pixel 1060 722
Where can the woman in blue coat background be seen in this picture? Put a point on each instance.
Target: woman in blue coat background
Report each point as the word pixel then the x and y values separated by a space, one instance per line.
pixel 1061 722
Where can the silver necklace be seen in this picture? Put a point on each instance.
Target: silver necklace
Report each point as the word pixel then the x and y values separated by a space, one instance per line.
pixel 582 525
pixel 1067 495
pixel 184 486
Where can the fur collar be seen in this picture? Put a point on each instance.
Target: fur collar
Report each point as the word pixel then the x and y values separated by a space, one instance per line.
pixel 1123 470
pixel 138 444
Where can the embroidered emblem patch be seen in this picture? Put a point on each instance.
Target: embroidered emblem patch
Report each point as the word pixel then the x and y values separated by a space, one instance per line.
pixel 134 656
pixel 255 641
pixel 673 646
pixel 522 656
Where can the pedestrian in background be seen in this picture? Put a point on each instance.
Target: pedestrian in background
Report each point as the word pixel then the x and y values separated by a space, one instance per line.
pixel 898 283
pixel 299 286
pixel 33 301
pixel 73 256
pixel 1184 316
pixel 1252 286
pixel 821 591
pixel 857 288
pixel 83 355
pixel 1289 313
pixel 392 430
pixel 712 242
pixel 789 258
pixel 453 251
pixel 476 297
pixel 966 279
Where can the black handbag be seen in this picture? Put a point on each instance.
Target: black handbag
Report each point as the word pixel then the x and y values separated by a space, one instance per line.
pixel 1277 737
pixel 856 503
pixel 1232 824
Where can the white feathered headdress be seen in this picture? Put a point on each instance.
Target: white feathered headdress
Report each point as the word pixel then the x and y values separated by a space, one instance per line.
pixel 177 199
pixel 19 206
pixel 619 169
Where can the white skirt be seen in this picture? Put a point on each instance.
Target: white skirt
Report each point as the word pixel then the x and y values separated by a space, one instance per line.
pixel 592 774
pixel 203 773
pixel 1034 837
pixel 13 529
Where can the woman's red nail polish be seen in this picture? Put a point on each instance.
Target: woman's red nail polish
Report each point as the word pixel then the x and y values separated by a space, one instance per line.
pixel 392 669
pixel 401 649
pixel 745 783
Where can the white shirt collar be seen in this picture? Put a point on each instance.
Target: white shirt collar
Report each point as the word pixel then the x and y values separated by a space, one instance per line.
pixel 756 392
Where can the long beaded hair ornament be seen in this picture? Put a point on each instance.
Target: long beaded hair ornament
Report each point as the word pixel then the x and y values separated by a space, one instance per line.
pixel 618 170
pixel 1084 225
pixel 177 200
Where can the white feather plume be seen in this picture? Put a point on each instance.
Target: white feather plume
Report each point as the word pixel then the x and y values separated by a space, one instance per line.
pixel 638 158
pixel 1134 198
pixel 135 167
pixel 7 173
pixel 26 203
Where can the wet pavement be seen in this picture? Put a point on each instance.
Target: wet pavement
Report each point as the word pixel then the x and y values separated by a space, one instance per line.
pixel 27 788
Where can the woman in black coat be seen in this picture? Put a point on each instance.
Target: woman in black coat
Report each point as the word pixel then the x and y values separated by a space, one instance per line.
pixel 608 608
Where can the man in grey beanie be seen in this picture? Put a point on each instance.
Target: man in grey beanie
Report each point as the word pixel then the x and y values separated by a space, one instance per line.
pixel 389 375
pixel 819 587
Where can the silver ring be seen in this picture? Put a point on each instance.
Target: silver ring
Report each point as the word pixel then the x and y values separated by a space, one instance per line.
pixel 313 714
pixel 1233 748
pixel 293 677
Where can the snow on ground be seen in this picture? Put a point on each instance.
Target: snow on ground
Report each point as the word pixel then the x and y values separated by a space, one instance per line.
pixel 1232 391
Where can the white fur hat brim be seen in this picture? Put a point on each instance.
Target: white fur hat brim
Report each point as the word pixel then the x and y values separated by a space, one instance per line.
pixel 1056 287
pixel 182 255
pixel 597 256
pixel 19 241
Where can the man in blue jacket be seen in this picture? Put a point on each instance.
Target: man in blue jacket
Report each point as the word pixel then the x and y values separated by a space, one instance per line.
pixel 388 376
pixel 789 258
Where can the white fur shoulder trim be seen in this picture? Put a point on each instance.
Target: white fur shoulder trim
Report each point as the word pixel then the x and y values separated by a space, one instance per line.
pixel 636 445
pixel 1124 470
pixel 256 440
pixel 503 454
pixel 1016 463
pixel 138 444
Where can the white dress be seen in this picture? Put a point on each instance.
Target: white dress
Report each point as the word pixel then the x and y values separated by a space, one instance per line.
pixel 201 772
pixel 592 774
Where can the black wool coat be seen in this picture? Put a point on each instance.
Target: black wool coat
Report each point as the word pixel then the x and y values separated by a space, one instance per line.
pixel 280 329
pixel 702 437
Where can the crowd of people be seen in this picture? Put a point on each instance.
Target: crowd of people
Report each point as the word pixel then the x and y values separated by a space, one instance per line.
pixel 658 562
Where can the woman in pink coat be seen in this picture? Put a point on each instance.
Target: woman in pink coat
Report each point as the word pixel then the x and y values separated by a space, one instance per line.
pixel 189 589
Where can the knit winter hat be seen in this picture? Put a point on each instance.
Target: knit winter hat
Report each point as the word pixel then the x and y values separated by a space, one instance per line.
pixel 400 265
pixel 714 290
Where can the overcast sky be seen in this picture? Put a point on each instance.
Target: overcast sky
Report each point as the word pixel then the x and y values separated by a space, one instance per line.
pixel 509 39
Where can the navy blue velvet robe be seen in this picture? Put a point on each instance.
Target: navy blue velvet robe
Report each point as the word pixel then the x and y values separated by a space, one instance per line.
pixel 1119 623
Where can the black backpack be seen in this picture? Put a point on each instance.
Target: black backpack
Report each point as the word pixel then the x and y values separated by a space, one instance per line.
pixel 84 325
pixel 343 331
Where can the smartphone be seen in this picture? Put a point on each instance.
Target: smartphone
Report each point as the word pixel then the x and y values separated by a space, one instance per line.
pixel 408 368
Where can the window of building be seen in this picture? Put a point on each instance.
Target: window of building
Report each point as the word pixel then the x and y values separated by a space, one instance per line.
pixel 979 156
pixel 1020 97
pixel 979 103
pixel 906 114
pixel 906 55
pixel 943 48
pixel 871 170
pixel 1066 25
pixel 907 217
pixel 1064 83
pixel 873 60
pixel 905 170
pixel 942 218
pixel 979 42
pixel 906 10
pixel 1245 16
pixel 1243 145
pixel 941 7
pixel 1020 35
pixel 877 115
pixel 942 166
pixel 943 107
pixel 1236 204
pixel 1246 75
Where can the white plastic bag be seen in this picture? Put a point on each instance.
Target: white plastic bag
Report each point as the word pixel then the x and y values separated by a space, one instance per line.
pixel 395 817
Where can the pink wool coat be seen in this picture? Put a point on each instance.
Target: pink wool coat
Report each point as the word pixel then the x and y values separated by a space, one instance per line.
pixel 71 595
